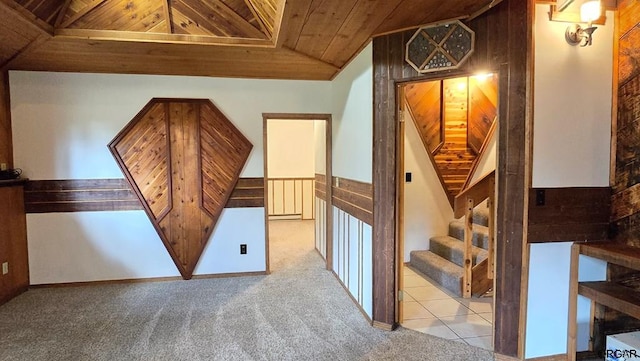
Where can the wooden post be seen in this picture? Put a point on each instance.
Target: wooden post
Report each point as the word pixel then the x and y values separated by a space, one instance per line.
pixel 468 262
pixel 491 258
pixel 573 303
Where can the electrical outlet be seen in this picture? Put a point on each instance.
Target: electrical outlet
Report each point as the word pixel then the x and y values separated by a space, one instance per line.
pixel 243 249
pixel 5 268
pixel 3 166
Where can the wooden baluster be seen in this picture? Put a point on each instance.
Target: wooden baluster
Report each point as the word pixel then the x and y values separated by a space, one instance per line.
pixel 491 249
pixel 573 303
pixel 468 237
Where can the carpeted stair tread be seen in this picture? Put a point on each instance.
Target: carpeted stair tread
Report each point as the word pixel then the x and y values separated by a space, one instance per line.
pixel 480 233
pixel 445 273
pixel 452 249
pixel 481 215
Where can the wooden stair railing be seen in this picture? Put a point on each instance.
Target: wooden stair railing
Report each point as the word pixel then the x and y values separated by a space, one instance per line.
pixel 606 293
pixel 464 203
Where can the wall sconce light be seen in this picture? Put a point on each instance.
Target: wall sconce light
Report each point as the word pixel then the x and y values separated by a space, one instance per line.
pixel 576 34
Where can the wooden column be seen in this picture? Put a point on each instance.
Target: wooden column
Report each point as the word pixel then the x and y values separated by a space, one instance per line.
pixel 6 143
pixel 387 53
pixel 503 45
pixel 13 243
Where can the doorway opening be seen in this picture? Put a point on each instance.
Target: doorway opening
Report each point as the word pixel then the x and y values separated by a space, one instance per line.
pixel 297 162
pixel 446 149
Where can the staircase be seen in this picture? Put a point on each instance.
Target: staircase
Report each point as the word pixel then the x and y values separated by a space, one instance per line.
pixel 444 260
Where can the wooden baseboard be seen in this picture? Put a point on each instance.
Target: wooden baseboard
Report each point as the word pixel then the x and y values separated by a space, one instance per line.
pixel 146 280
pixel 500 357
pixel 11 295
pixel 384 326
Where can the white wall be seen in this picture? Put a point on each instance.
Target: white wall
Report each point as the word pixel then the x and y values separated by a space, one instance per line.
pixel 320 141
pixel 489 158
pixel 572 106
pixel 352 155
pixel 352 114
pixel 62 124
pixel 548 299
pixel 427 211
pixel 572 127
pixel 290 148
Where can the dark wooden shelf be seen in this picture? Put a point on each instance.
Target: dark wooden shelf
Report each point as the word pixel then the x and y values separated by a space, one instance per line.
pixel 610 294
pixel 13 182
pixel 613 252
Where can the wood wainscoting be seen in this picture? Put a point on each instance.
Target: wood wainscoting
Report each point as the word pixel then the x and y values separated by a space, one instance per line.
pixel 352 260
pixel 354 197
pixel 291 197
pixel 84 195
pixel 569 214
pixel 320 200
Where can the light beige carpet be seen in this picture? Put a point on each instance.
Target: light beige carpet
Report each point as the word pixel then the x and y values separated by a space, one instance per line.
pixel 299 312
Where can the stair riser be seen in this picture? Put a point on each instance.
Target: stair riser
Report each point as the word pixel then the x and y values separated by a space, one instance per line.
pixel 479 239
pixel 452 254
pixel 450 281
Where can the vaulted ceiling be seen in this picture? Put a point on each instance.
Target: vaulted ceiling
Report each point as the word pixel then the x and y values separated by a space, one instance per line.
pixel 284 39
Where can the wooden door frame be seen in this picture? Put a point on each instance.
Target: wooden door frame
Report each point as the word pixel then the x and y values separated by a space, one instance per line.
pixel 400 159
pixel 328 174
pixel 511 56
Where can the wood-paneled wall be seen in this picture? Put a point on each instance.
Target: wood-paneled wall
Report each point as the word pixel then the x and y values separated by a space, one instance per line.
pixel 354 197
pixel 6 144
pixel 504 45
pixel 94 195
pixel 13 242
pixel 291 197
pixel 626 181
pixel 569 214
pixel 183 158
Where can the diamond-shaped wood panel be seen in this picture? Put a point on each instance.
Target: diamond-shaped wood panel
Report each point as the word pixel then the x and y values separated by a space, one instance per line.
pixel 183 158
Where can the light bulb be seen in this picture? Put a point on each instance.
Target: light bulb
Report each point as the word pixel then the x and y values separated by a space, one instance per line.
pixel 590 11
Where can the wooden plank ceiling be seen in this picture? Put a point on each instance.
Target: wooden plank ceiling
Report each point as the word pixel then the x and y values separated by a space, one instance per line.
pixel 301 39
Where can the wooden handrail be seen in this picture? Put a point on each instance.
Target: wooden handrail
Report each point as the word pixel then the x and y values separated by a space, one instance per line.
pixel 478 191
pixel 464 203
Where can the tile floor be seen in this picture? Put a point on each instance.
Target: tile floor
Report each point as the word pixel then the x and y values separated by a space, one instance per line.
pixel 433 310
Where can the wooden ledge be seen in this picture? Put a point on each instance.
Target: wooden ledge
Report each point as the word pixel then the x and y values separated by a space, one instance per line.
pixel 618 297
pixel 13 182
pixel 613 252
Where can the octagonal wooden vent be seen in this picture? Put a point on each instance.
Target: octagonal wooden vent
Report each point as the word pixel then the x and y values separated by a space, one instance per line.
pixel 440 47
pixel 183 158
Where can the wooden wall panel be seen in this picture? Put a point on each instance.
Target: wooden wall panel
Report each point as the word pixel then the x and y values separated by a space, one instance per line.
pixel 201 154
pixel 321 186
pixel 425 104
pixel 354 197
pixel 503 45
pixel 6 143
pixel 569 214
pixel 248 193
pixel 483 109
pixel 13 243
pixel 79 195
pixel 95 195
pixel 625 210
pixel 144 150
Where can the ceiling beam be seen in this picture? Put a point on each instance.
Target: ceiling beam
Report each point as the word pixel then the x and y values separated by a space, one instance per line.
pixel 81 13
pixel 61 13
pixel 167 16
pixel 26 16
pixel 31 46
pixel 138 37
